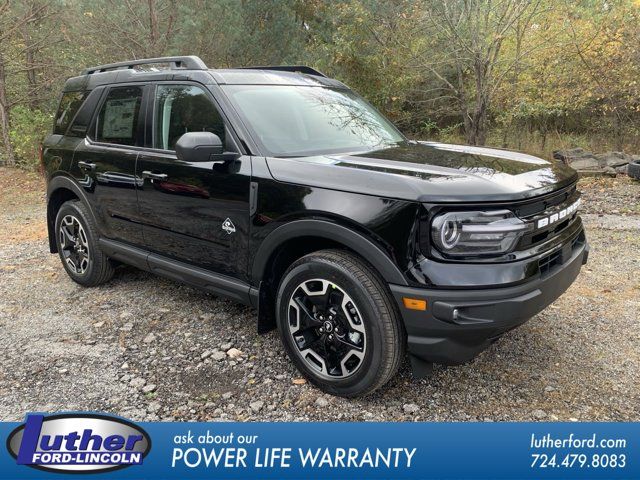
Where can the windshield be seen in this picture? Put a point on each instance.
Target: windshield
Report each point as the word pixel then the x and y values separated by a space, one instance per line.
pixel 300 120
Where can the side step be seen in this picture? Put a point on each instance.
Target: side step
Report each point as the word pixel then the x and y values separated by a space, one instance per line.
pixel 200 278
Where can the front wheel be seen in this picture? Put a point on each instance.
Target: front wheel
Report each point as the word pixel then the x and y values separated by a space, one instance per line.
pixel 339 323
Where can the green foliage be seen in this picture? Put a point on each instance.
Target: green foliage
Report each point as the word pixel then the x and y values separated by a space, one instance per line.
pixel 28 129
pixel 555 74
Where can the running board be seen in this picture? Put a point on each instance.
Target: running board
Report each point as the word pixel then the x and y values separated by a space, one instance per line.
pixel 216 284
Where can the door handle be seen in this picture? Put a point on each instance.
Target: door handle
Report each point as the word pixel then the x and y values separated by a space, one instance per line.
pixel 90 167
pixel 154 176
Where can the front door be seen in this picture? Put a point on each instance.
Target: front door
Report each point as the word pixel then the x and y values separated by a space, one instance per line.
pixel 105 162
pixel 193 212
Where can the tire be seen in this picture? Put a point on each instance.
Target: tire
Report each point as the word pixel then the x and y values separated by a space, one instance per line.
pixel 77 242
pixel 365 323
pixel 633 169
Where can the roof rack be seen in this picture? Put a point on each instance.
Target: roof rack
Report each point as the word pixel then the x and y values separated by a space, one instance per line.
pixel 289 68
pixel 190 62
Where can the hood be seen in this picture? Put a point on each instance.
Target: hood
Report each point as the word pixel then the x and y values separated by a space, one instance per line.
pixel 429 172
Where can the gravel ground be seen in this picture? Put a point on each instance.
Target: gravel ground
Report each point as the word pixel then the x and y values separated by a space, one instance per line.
pixel 148 349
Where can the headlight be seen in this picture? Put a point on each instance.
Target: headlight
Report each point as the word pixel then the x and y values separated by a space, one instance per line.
pixel 460 234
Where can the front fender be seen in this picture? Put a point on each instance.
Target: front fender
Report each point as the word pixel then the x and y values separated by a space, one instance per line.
pixel 375 255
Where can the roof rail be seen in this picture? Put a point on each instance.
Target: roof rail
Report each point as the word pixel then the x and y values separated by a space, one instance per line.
pixel 289 68
pixel 176 63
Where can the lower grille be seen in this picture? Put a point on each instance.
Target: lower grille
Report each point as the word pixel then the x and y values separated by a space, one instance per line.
pixel 548 263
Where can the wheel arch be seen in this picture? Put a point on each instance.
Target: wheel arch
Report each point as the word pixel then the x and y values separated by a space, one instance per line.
pixel 295 239
pixel 60 190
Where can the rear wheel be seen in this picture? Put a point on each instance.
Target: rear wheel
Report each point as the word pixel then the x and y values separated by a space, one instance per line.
pixel 339 324
pixel 77 241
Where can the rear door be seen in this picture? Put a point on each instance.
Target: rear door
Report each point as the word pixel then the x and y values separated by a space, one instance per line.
pixel 105 163
pixel 193 212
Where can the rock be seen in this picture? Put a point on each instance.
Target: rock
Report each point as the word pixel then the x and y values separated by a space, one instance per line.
pixel 234 353
pixel 585 164
pixel 226 346
pixel 125 314
pixel 256 406
pixel 205 354
pixel 321 402
pixel 227 395
pixel 571 153
pixel 127 327
pixel 613 159
pixel 149 338
pixel 148 388
pixel 98 324
pixel 63 370
pixel 154 407
pixel 299 381
pixel 549 389
pixel 137 382
pixel 218 356
pixel 124 366
pixel 607 163
pixel 539 414
pixel 410 408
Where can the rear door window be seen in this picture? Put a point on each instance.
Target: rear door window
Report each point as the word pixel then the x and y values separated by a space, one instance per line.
pixel 118 120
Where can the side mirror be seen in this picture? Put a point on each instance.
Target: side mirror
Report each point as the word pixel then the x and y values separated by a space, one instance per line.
pixel 198 146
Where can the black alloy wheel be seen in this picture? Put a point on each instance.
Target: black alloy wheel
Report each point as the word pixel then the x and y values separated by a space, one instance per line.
pixel 74 245
pixel 77 242
pixel 339 323
pixel 327 328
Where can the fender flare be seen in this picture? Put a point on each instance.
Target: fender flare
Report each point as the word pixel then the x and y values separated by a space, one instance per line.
pixel 377 257
pixel 59 182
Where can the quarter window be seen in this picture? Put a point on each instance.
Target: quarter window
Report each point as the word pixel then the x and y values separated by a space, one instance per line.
pixel 69 105
pixel 118 118
pixel 181 109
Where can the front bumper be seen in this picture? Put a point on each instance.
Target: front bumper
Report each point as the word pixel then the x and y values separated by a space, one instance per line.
pixel 459 324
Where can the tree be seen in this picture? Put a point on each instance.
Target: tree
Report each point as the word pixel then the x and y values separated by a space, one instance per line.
pixel 12 22
pixel 131 29
pixel 470 65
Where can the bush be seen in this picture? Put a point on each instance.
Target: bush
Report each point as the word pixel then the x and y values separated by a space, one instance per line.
pixel 28 129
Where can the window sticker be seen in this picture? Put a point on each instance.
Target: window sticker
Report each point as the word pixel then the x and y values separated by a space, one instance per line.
pixel 119 115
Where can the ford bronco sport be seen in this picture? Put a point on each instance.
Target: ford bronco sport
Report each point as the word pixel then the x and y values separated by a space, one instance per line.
pixel 282 189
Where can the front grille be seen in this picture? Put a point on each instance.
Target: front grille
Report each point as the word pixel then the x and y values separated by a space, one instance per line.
pixel 553 205
pixel 539 205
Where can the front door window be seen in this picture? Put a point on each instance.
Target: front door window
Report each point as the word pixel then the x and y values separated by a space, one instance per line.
pixel 181 109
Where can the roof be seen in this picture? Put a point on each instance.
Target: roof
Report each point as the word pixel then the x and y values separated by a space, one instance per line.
pixel 266 76
pixel 193 68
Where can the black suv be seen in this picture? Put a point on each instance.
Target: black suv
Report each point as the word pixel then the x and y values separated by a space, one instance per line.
pixel 280 188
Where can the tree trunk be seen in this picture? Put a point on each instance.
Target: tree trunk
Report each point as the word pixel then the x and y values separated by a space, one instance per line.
pixel 154 34
pixel 5 126
pixel 475 124
pixel 30 68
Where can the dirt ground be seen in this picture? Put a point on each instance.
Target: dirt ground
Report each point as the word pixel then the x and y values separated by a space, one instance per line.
pixel 146 348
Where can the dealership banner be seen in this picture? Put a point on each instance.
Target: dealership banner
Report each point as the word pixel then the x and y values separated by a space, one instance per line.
pixel 103 446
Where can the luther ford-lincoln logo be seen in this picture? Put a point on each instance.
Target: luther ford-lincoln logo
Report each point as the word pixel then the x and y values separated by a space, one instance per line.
pixel 80 443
